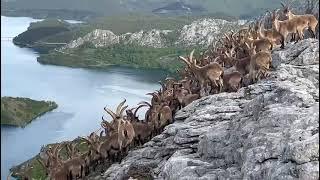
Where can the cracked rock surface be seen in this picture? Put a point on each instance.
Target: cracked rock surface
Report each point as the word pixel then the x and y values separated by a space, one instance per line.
pixel 268 130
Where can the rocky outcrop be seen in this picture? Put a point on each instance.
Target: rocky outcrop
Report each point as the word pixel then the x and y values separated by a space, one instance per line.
pixel 102 38
pixel 98 38
pixel 154 38
pixel 268 130
pixel 200 33
pixel 204 31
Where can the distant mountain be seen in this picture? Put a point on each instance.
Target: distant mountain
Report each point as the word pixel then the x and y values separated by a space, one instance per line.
pixel 91 8
pixel 179 8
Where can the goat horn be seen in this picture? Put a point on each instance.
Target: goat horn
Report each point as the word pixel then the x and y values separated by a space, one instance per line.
pixel 162 85
pixel 185 60
pixel 104 124
pixel 101 133
pixel 151 94
pixel 158 96
pixel 154 95
pixel 169 78
pixel 145 102
pixel 120 106
pixel 103 119
pixel 122 109
pixel 57 150
pixel 247 45
pixel 135 112
pixel 227 37
pixel 86 139
pixel 191 55
pixel 112 114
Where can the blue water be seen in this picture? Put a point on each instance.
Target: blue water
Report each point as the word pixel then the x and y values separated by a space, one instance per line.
pixel 80 94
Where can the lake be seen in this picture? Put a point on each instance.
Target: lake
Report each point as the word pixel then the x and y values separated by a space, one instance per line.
pixel 81 95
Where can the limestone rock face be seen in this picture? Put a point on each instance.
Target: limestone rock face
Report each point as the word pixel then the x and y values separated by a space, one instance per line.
pixel 154 38
pixel 268 130
pixel 203 32
pixel 98 38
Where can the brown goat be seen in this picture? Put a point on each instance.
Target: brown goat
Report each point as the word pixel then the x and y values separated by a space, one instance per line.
pixel 232 81
pixel 184 97
pixel 57 170
pixel 302 21
pixel 242 65
pixel 271 34
pixel 93 157
pixel 285 27
pixel 143 131
pixel 75 164
pixel 259 64
pixel 211 72
pixel 165 116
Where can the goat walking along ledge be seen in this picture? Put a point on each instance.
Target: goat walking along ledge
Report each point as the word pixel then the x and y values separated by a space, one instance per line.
pixel 238 60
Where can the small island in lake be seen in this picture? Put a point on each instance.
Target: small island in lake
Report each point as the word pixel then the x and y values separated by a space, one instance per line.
pixel 18 111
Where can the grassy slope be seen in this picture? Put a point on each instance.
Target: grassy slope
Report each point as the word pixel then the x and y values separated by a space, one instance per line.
pixel 119 55
pixel 21 111
pixel 40 30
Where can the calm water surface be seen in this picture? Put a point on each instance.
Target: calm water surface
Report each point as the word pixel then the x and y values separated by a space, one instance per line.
pixel 80 94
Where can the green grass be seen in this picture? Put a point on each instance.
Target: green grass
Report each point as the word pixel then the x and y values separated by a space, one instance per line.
pixel 48 23
pixel 118 55
pixel 21 111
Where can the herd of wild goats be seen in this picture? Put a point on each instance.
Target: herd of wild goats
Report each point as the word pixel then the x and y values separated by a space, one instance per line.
pixel 236 60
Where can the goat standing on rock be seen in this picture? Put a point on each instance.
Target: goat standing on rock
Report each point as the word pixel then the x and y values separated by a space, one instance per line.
pixel 227 65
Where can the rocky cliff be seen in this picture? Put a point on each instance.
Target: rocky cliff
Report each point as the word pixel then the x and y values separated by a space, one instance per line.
pixel 268 130
pixel 201 32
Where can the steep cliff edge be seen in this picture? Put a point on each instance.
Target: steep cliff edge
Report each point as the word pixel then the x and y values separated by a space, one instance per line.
pixel 268 130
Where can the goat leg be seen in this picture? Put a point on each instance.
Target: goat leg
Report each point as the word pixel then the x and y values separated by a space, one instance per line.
pixel 220 84
pixel 282 41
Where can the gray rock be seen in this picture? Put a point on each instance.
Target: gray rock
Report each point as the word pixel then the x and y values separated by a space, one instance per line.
pixel 268 130
pixel 197 33
pixel 204 32
pixel 98 38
